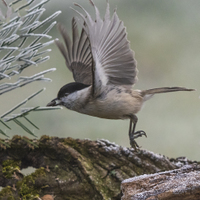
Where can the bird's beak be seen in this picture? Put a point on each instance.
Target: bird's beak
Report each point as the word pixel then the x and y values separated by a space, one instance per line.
pixel 54 102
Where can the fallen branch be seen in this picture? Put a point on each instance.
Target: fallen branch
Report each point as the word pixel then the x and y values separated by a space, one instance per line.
pixel 74 169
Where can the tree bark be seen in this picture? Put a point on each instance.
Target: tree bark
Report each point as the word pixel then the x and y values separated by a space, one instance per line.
pixel 179 184
pixel 74 169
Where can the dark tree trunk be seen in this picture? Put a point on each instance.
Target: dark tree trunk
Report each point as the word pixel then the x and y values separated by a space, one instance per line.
pixel 75 169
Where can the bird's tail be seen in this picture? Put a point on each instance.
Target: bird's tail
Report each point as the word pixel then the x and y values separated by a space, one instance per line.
pixel 146 94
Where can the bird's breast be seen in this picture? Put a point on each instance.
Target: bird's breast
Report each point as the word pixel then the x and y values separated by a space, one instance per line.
pixel 113 104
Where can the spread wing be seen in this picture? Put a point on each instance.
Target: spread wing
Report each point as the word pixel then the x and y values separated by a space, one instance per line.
pixel 113 59
pixel 77 53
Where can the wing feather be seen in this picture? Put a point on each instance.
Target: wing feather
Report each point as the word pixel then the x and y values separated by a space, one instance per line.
pixel 63 51
pixel 77 53
pixel 67 41
pixel 114 61
pixel 75 39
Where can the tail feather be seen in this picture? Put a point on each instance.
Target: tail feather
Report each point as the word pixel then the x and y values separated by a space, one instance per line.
pixel 149 93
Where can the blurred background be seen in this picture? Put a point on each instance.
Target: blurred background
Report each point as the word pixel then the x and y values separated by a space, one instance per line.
pixel 165 36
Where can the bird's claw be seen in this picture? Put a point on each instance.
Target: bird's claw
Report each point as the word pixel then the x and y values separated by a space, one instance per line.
pixel 139 134
pixel 134 144
pixel 135 135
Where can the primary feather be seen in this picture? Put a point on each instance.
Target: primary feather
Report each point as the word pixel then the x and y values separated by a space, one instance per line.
pixel 114 61
pixel 77 53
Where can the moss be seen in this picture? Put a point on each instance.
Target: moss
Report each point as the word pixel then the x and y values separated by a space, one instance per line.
pixel 27 188
pixel 16 137
pixel 44 138
pixel 9 167
pixel 71 142
pixel 7 193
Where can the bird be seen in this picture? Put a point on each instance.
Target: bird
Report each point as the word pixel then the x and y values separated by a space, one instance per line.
pixel 104 69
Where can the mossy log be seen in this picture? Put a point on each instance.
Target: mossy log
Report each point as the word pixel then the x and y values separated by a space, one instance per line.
pixel 73 169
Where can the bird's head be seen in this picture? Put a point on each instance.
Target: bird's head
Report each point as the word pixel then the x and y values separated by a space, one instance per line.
pixel 67 94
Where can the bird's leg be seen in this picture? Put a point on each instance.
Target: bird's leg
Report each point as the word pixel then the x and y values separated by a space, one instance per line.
pixel 132 134
pixel 133 143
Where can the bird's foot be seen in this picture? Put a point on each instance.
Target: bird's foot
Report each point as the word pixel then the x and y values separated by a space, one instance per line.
pixel 139 134
pixel 134 144
pixel 135 135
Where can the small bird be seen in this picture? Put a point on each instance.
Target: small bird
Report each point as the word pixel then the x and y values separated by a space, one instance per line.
pixel 104 70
